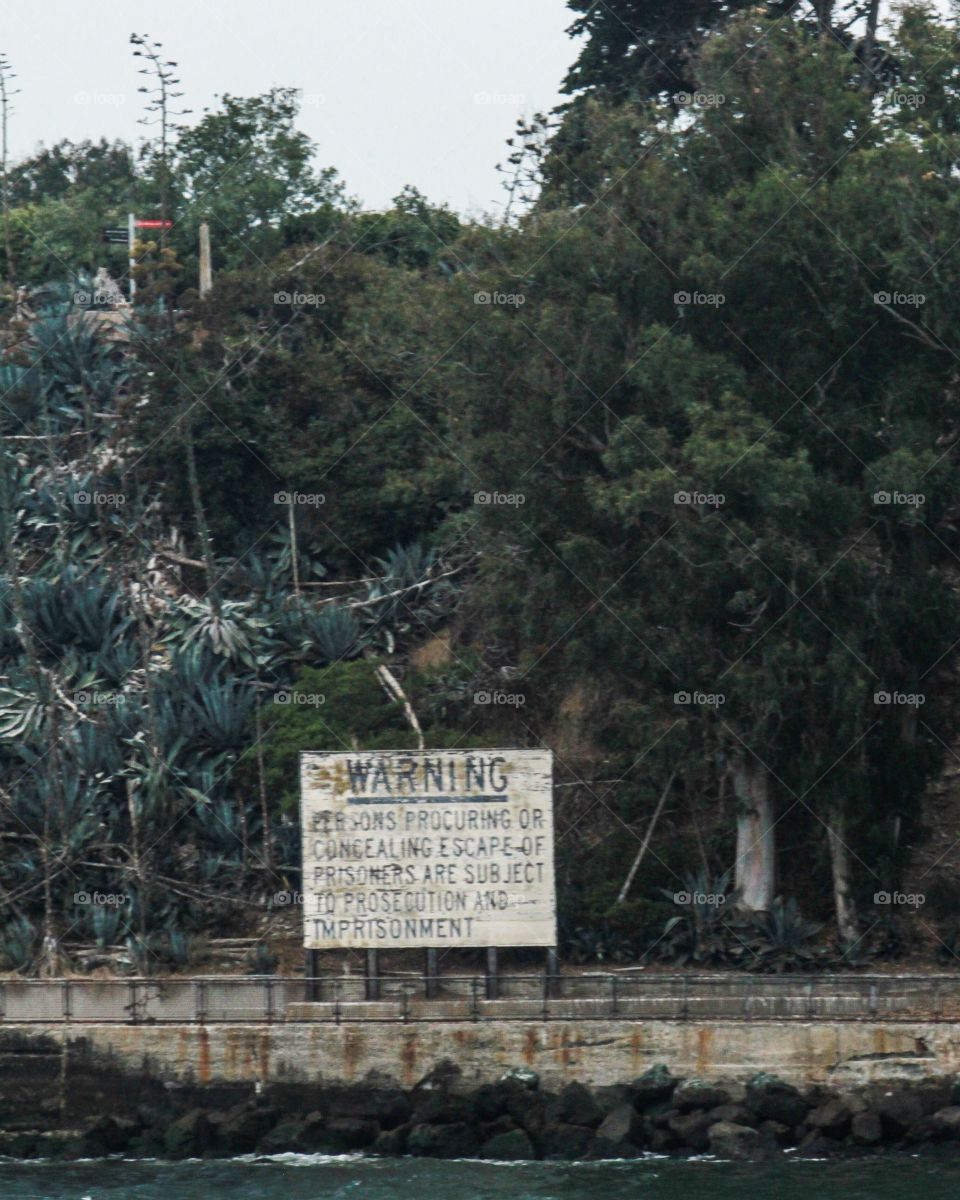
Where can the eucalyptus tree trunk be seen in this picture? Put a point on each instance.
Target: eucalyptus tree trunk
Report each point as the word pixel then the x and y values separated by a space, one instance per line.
pixel 755 872
pixel 843 902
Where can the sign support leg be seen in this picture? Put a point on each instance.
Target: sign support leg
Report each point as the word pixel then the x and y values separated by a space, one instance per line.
pixel 311 972
pixel 493 980
pixel 371 972
pixel 553 970
pixel 430 981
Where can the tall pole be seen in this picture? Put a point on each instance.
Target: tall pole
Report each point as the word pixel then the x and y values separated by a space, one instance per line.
pixel 206 266
pixel 131 238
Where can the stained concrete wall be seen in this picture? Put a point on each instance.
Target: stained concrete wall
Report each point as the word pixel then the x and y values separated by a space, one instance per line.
pixel 81 1060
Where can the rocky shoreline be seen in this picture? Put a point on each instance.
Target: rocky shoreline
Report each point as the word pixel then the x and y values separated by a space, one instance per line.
pixel 514 1119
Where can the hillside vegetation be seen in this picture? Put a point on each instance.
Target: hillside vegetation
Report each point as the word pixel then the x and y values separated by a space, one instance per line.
pixel 659 471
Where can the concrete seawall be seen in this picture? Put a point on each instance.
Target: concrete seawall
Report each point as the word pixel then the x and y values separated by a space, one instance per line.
pixel 596 1053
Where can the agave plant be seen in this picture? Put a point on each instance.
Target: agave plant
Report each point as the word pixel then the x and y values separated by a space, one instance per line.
pixel 19 943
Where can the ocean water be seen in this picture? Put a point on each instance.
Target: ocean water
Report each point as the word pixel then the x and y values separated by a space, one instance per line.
pixel 315 1177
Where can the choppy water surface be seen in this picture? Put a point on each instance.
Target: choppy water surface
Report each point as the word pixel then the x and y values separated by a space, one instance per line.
pixel 311 1177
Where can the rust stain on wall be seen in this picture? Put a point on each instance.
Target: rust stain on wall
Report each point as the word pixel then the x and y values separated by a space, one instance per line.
pixel 636 1048
pixel 564 1054
pixel 352 1051
pixel 704 1048
pixel 408 1057
pixel 530 1047
pixel 264 1048
pixel 203 1055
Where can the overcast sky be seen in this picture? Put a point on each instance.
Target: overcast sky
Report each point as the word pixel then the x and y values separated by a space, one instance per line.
pixel 395 91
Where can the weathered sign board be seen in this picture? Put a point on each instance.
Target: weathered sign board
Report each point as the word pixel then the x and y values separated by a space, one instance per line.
pixel 435 848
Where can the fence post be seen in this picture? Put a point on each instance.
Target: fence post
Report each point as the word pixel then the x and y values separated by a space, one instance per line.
pixel 269 1006
pixel 475 986
pixel 873 998
pixel 3 1001
pixel 337 991
pixel 65 999
pixel 748 1000
pixel 810 998
pixel 405 1003
pixel 613 995
pixel 685 1001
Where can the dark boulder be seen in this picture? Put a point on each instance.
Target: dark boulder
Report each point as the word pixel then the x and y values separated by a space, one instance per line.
pixel 728 1140
pixel 241 1128
pixel 513 1146
pixel 697 1093
pixel 832 1118
pixel 455 1140
pixel 566 1142
pixel 735 1114
pixel 623 1125
pixel 774 1100
pixel 189 1135
pixel 866 1129
pixel 691 1128
pixel 653 1086
pixel 576 1106
pixel 388 1106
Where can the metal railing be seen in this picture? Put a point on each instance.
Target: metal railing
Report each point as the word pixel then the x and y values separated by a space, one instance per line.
pixel 404 998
